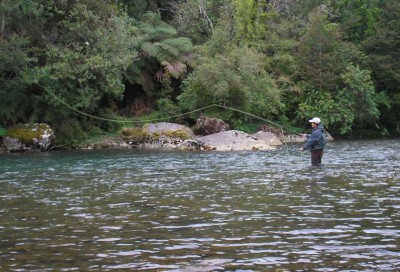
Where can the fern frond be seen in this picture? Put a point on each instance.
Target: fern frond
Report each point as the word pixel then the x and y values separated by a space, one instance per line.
pixel 166 30
pixel 150 49
pixel 180 43
pixel 176 69
pixel 173 51
pixel 151 17
pixel 159 47
pixel 155 28
pixel 189 58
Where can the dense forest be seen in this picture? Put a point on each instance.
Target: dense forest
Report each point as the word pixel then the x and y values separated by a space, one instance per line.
pixel 282 60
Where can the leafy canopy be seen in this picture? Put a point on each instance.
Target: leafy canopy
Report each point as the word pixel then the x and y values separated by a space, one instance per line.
pixel 237 79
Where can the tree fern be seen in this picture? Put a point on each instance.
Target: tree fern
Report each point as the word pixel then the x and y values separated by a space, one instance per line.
pixel 149 49
pixel 162 53
pixel 183 43
pixel 174 69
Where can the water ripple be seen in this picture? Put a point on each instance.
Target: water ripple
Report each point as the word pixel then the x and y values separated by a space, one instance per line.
pixel 182 211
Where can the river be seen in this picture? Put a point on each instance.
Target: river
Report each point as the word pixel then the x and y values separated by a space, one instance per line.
pixel 131 210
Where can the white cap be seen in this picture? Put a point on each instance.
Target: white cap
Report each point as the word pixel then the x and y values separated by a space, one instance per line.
pixel 315 120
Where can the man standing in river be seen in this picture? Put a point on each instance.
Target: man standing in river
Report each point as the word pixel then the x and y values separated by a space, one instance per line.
pixel 315 141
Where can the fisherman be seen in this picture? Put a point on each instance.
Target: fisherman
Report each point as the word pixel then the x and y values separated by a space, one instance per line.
pixel 315 141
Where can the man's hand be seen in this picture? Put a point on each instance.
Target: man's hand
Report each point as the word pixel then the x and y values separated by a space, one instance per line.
pixel 301 148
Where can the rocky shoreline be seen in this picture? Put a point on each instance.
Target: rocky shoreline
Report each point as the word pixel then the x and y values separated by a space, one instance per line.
pixel 209 134
pixel 232 140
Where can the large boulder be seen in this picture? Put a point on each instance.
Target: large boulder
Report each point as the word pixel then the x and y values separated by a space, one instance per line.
pixel 281 134
pixel 161 136
pixel 268 137
pixel 233 140
pixel 206 126
pixel 134 135
pixel 266 128
pixel 174 136
pixel 168 129
pixel 29 137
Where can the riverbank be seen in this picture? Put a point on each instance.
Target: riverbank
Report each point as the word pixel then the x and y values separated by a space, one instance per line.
pixel 212 134
pixel 169 136
pixel 232 140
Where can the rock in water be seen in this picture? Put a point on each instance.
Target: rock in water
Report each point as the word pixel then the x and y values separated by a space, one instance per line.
pixel 27 137
pixel 234 140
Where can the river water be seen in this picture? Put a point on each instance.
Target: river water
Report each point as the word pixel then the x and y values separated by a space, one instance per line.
pixel 130 210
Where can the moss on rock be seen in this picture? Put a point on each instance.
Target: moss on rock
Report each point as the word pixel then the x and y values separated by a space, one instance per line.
pixel 176 134
pixel 136 135
pixel 26 137
pixel 27 133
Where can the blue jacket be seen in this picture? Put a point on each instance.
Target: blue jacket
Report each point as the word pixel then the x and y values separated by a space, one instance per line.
pixel 313 139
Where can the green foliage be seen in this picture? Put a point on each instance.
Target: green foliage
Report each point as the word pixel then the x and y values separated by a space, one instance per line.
pixel 3 131
pixel 89 49
pixel 167 108
pixel 88 60
pixel 358 18
pixel 77 51
pixel 322 104
pixel 15 57
pixel 359 95
pixel 323 53
pixel 70 133
pixel 382 49
pixel 338 91
pixel 318 56
pixel 135 8
pixel 194 19
pixel 237 79
pixel 354 106
pixel 252 19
